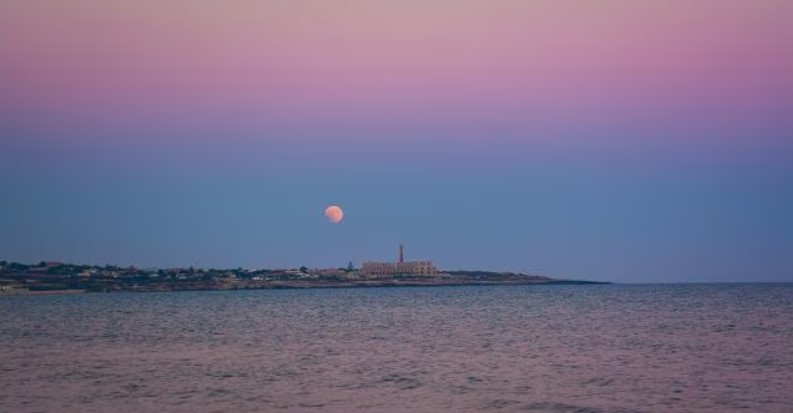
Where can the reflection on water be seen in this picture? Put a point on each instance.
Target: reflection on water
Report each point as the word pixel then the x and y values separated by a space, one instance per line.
pixel 674 348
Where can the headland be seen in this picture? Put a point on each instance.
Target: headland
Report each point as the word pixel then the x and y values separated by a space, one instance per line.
pixel 47 278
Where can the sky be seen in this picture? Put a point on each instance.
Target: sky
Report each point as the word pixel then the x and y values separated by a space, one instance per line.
pixel 613 140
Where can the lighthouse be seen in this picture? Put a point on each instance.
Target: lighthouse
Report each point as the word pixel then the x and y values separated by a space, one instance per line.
pixel 375 269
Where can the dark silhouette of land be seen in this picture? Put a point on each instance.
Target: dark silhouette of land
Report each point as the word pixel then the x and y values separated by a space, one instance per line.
pixel 56 277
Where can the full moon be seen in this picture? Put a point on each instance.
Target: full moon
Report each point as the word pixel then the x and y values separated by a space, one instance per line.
pixel 334 214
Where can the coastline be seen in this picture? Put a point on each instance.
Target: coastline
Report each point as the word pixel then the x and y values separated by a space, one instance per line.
pixel 305 285
pixel 26 293
pixel 66 279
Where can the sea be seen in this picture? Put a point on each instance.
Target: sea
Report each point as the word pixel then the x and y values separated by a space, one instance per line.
pixel 544 348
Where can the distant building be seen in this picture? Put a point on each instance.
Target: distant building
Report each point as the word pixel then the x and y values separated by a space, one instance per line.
pixel 330 272
pixel 401 267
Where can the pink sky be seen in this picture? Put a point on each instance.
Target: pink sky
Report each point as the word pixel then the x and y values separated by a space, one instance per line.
pixel 613 137
pixel 527 64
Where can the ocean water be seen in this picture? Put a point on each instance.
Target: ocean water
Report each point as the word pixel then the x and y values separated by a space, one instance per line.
pixel 571 349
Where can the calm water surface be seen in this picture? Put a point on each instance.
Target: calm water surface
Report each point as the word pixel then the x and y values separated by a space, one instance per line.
pixel 672 348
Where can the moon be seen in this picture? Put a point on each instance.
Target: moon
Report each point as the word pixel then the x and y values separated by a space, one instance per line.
pixel 334 214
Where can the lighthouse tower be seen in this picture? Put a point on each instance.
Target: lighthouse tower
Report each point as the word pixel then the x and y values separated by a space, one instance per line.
pixel 372 269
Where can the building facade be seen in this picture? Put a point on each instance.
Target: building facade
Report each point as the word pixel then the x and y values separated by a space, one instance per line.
pixel 401 267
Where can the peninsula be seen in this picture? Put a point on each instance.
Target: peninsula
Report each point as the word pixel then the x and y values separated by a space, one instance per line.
pixel 57 277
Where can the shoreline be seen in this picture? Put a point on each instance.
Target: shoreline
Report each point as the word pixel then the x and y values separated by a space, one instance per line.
pixel 304 285
pixel 56 278
pixel 26 293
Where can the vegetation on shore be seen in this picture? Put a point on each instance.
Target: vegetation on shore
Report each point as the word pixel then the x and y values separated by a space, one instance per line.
pixel 55 276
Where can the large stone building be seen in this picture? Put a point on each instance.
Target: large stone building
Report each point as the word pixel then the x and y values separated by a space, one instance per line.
pixel 401 267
